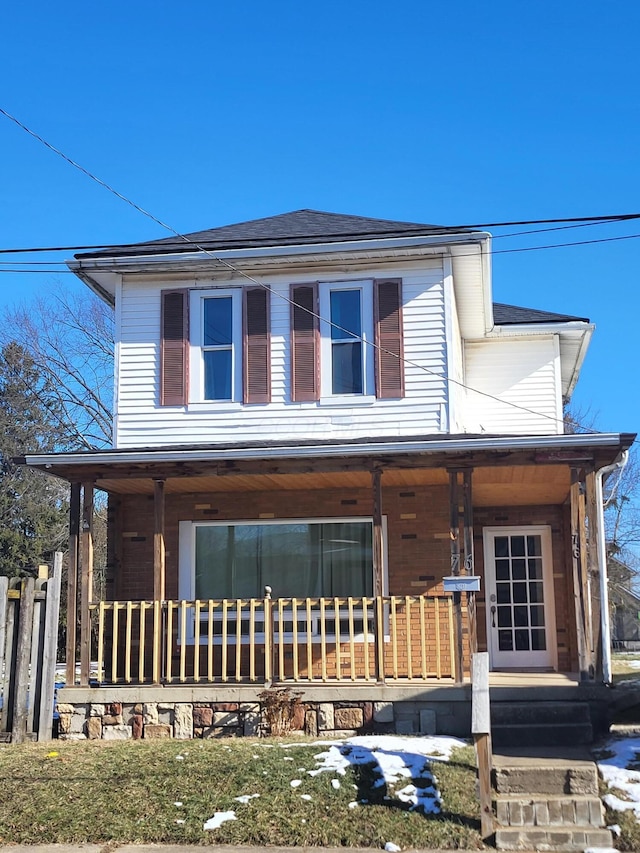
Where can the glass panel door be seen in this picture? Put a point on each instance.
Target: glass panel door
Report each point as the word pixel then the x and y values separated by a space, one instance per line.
pixel 519 586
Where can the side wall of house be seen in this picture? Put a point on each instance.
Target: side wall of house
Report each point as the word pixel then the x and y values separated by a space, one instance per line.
pixel 141 421
pixel 417 540
pixel 519 383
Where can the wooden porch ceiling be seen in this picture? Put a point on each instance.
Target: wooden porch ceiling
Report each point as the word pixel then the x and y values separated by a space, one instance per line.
pixel 516 485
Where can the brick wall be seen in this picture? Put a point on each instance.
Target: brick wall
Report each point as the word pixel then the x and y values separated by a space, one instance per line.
pixel 417 528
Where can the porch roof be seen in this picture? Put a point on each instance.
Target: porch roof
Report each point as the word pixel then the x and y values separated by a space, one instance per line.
pixel 500 463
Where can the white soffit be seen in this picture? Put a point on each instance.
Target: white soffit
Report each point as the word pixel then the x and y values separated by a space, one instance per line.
pixel 472 285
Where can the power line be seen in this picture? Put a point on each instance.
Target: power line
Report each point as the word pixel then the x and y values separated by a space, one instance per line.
pixel 290 301
pixel 579 223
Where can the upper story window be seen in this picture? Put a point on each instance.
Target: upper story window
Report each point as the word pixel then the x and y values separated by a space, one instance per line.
pixel 346 355
pixel 215 346
pixel 356 350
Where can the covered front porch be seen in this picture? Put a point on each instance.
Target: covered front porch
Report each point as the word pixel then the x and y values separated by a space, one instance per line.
pixel 521 513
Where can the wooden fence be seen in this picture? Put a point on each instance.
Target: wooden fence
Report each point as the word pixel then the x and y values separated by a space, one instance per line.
pixel 29 610
pixel 318 640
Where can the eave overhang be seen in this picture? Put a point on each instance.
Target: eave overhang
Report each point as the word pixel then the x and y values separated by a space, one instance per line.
pixel 585 450
pixel 102 274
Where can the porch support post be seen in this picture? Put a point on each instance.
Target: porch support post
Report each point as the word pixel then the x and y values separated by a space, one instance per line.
pixel 376 487
pixel 593 572
pixel 376 483
pixel 86 581
pixel 158 542
pixel 454 533
pixel 72 583
pixel 469 562
pixel 579 573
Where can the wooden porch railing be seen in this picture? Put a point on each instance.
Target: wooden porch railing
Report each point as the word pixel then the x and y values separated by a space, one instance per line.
pixel 260 640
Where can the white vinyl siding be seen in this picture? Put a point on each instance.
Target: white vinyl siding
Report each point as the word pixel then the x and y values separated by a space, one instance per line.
pixel 142 422
pixel 520 372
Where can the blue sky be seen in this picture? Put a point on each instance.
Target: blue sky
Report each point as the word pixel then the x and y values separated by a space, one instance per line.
pixel 207 113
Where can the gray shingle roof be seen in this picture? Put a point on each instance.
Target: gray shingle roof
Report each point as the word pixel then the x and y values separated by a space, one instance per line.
pixel 297 227
pixel 512 315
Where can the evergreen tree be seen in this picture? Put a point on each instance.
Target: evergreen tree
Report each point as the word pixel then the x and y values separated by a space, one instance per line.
pixel 33 506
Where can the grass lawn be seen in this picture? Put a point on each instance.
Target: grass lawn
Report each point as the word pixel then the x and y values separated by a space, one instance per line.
pixel 625 666
pixel 164 791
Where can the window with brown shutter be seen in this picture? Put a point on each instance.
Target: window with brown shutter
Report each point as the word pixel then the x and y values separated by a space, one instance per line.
pixel 305 343
pixel 388 338
pixel 174 348
pixel 257 346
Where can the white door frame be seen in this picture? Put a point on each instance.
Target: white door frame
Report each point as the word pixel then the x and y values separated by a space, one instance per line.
pixel 521 660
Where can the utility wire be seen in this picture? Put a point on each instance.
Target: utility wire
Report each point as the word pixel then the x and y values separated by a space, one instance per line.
pixel 261 284
pixel 594 221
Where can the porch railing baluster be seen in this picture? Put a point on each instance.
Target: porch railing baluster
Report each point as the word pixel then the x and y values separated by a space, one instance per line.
pixel 183 644
pixel 196 641
pixel 330 639
pixel 294 610
pixel 352 645
pixel 238 639
pixel 309 643
pixel 365 637
pixel 127 643
pixel 407 622
pixel 225 639
pixel 142 627
pixel 252 639
pixel 101 612
pixel 169 646
pixel 452 653
pixel 379 639
pixel 281 671
pixel 336 632
pixel 114 645
pixel 394 637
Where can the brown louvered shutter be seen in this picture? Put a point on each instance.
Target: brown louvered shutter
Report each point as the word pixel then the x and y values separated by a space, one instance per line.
pixel 388 338
pixel 174 348
pixel 256 346
pixel 305 343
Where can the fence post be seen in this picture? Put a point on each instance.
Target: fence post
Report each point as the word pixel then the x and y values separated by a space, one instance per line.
pixel 5 663
pixel 50 650
pixel 481 730
pixel 25 624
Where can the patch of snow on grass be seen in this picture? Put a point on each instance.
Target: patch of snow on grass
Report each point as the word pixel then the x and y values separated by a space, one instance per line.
pixel 305 796
pixel 390 847
pixel 621 755
pixel 335 784
pixel 295 783
pixel 396 759
pixel 218 819
pixel 244 798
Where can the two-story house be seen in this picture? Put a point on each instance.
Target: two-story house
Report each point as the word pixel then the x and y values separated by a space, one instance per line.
pixel 317 419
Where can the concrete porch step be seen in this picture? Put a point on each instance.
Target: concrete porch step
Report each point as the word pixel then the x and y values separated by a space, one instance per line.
pixel 537 713
pixel 534 723
pixel 556 838
pixel 568 771
pixel 525 734
pixel 549 810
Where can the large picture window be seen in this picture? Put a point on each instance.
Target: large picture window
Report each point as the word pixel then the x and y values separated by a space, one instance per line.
pixel 296 559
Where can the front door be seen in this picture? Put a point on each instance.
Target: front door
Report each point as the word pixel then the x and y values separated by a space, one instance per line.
pixel 519 598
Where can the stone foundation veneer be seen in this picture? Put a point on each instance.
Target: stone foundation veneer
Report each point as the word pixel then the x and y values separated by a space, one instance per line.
pixel 186 720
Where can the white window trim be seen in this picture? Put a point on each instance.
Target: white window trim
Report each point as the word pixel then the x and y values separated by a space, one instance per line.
pixel 544 531
pixel 196 358
pixel 366 302
pixel 187 576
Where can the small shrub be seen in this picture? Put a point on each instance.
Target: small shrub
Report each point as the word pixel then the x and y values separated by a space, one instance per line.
pixel 278 709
